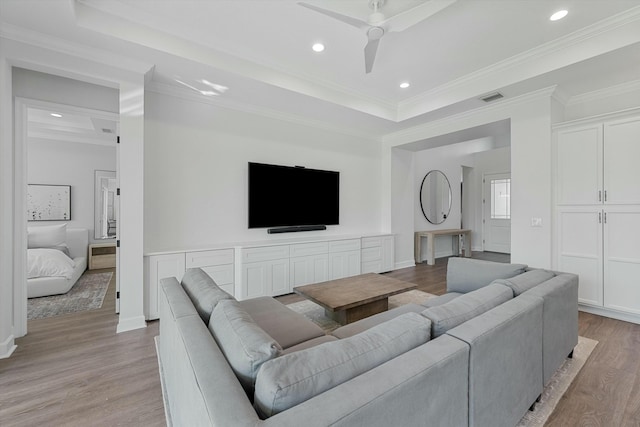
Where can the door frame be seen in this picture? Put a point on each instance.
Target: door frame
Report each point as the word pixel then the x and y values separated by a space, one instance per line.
pixel 21 128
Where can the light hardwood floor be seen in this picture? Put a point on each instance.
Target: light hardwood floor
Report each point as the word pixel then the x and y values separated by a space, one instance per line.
pixel 75 370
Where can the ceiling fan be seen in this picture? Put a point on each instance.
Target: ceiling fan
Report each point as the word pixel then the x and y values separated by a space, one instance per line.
pixel 377 24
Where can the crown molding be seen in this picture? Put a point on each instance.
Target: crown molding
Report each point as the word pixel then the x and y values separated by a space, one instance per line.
pixel 615 115
pixel 220 101
pixel 536 54
pixel 45 41
pixel 498 106
pixel 600 94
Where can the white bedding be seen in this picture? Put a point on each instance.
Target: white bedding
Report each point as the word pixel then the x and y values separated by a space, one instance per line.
pixel 45 262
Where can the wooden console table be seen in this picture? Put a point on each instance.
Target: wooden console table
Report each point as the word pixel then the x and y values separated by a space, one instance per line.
pixel 431 238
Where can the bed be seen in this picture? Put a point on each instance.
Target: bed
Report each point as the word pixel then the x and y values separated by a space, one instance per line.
pixel 45 246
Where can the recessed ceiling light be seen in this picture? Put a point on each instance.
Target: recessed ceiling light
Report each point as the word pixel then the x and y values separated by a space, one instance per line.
pixel 317 47
pixel 558 15
pixel 404 85
pixel 56 115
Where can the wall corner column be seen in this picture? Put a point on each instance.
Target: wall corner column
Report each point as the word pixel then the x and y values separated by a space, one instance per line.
pixel 131 221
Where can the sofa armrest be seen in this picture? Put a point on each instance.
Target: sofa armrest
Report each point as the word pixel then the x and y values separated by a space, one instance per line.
pixel 505 366
pixel 559 320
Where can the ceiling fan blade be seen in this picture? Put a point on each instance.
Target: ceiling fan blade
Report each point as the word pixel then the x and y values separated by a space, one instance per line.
pixel 344 18
pixel 411 17
pixel 370 51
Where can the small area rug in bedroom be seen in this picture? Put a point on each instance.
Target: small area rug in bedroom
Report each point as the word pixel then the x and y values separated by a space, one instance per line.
pixel 87 294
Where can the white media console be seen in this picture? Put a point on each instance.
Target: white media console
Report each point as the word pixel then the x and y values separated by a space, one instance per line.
pixel 271 268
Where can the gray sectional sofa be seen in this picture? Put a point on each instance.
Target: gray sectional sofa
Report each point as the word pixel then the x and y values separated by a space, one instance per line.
pixel 476 356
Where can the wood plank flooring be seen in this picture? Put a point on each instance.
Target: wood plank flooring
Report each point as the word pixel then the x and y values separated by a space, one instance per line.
pixel 74 370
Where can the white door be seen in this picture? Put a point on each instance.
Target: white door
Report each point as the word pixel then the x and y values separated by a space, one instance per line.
pixel 579 165
pixel 580 249
pixel 622 258
pixel 621 154
pixel 497 212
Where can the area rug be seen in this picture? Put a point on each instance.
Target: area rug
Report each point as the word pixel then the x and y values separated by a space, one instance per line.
pixel 555 389
pixel 87 294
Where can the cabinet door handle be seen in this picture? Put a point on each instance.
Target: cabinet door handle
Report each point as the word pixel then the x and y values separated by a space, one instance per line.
pixel 599 217
pixel 599 195
pixel 605 197
pixel 605 217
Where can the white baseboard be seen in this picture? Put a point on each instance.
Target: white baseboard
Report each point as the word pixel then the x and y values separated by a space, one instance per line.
pixel 607 312
pixel 7 347
pixel 131 324
pixel 404 264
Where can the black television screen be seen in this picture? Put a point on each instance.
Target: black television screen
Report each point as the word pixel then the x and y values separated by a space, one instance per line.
pixel 281 196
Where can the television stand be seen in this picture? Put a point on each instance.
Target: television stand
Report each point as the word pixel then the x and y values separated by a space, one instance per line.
pixel 296 229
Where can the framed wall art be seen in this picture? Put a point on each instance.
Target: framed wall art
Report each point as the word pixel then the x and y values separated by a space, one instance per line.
pixel 48 202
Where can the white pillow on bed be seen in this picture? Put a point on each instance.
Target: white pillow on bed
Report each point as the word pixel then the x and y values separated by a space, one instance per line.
pixel 43 262
pixel 48 236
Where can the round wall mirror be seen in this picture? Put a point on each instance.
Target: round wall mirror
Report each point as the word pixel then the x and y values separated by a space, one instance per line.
pixel 435 197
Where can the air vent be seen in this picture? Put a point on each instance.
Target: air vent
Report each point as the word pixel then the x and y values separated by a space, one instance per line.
pixel 107 130
pixel 492 97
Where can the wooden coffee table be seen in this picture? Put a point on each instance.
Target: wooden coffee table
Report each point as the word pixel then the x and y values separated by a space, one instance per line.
pixel 354 298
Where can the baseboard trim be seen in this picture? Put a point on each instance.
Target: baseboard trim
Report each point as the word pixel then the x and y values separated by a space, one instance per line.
pixel 607 312
pixel 404 264
pixel 131 324
pixel 7 347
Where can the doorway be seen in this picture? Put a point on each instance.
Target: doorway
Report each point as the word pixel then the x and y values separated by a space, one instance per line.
pixel 496 217
pixel 66 144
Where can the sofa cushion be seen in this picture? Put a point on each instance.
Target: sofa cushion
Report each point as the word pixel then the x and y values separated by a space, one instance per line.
pixel 368 322
pixel 311 343
pixel 466 307
pixel 294 378
pixel 466 275
pixel 285 326
pixel 442 299
pixel 525 281
pixel 245 346
pixel 203 291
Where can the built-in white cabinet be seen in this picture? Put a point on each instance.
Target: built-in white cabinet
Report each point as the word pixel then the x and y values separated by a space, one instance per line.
pixel 219 264
pixel 249 271
pixel 377 254
pixel 344 258
pixel 597 163
pixel 158 267
pixel 598 211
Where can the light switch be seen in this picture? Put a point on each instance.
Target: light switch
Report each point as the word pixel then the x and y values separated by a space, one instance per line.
pixel 536 222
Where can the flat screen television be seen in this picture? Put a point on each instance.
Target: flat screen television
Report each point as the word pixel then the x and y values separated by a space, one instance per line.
pixel 285 196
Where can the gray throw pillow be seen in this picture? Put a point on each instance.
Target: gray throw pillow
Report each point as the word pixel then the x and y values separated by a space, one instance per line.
pixel 525 281
pixel 296 377
pixel 466 307
pixel 203 291
pixel 244 344
pixel 466 275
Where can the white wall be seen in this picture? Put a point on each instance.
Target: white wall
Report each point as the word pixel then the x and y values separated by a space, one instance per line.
pixel 196 158
pixel 47 87
pixel 70 163
pixel 402 186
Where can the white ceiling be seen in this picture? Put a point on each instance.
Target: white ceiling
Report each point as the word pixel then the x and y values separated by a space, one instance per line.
pixel 256 54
